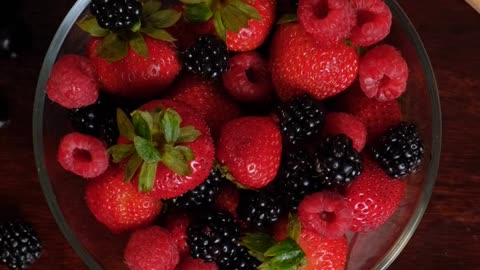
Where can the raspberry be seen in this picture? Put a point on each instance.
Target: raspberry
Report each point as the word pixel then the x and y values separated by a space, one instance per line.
pixel 177 224
pixel 344 123
pixel 373 24
pixel 151 248
pixel 326 213
pixel 83 155
pixel 328 21
pixel 248 79
pixel 189 263
pixel 383 73
pixel 73 82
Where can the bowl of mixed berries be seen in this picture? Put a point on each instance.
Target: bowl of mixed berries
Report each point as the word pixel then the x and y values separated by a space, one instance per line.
pixel 237 134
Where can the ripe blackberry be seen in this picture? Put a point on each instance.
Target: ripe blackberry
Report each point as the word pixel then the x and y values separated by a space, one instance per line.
pixel 213 236
pixel 243 261
pixel 99 119
pixel 399 151
pixel 295 179
pixel 336 162
pixel 202 195
pixel 19 245
pixel 301 118
pixel 208 56
pixel 258 208
pixel 116 15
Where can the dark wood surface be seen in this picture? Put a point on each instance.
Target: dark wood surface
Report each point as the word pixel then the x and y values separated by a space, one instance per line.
pixel 449 234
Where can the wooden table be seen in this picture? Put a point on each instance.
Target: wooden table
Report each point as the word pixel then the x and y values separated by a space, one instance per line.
pixel 447 238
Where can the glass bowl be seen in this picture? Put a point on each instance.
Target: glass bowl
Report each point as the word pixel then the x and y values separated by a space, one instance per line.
pixel 101 249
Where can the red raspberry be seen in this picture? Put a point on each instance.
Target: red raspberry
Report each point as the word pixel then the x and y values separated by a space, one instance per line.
pixel 73 82
pixel 151 248
pixel 177 224
pixel 248 78
pixel 83 155
pixel 326 213
pixel 373 23
pixel 383 73
pixel 189 263
pixel 328 21
pixel 351 126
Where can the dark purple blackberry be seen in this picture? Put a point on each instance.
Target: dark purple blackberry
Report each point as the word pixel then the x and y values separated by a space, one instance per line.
pixel 19 245
pixel 336 162
pixel 208 56
pixel 295 178
pixel 213 236
pixel 258 208
pixel 201 196
pixel 301 118
pixel 116 15
pixel 243 261
pixel 399 151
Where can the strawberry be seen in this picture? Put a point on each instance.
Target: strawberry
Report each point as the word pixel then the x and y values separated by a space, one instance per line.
pixel 118 205
pixel 250 148
pixel 151 248
pixel 177 224
pixel 208 98
pixel 169 144
pixel 299 64
pixel 189 263
pixel 373 197
pixel 323 253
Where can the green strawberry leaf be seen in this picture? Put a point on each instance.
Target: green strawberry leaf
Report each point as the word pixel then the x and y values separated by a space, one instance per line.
pixel 90 25
pixel 136 27
pixel 143 123
pixel 197 13
pixel 219 26
pixel 125 126
pixel 132 166
pixel 257 244
pixel 146 179
pixel 287 245
pixel 234 19
pixel 146 150
pixel 174 159
pixel 294 226
pixel 120 152
pixel 287 18
pixel 150 7
pixel 188 134
pixel 170 125
pixel 137 43
pixel 158 34
pixel 164 18
pixel 191 2
pixel 113 48
pixel 186 152
pixel 284 255
pixel 247 9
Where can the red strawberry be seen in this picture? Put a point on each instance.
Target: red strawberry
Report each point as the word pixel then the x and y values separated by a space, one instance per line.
pixel 251 37
pixel 119 205
pixel 323 253
pixel 351 126
pixel 208 99
pixel 373 197
pixel 250 147
pixel 301 65
pixel 151 248
pixel 177 224
pixel 189 263
pixel 227 199
pixel 136 76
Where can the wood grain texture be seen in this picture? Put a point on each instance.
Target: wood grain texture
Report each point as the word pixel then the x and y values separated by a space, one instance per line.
pixel 449 234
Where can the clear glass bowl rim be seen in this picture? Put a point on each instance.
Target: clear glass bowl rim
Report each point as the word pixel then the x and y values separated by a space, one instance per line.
pixel 388 258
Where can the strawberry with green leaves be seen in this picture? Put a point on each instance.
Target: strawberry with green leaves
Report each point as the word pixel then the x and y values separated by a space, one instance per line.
pixel 243 24
pixel 166 148
pixel 138 62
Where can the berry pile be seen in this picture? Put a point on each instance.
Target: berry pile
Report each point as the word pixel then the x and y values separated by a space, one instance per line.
pixel 238 159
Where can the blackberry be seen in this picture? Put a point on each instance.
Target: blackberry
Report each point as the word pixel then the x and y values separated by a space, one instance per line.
pixel 202 195
pixel 213 236
pixel 208 56
pixel 19 245
pixel 258 208
pixel 336 162
pixel 295 178
pixel 301 119
pixel 243 261
pixel 116 15
pixel 399 151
